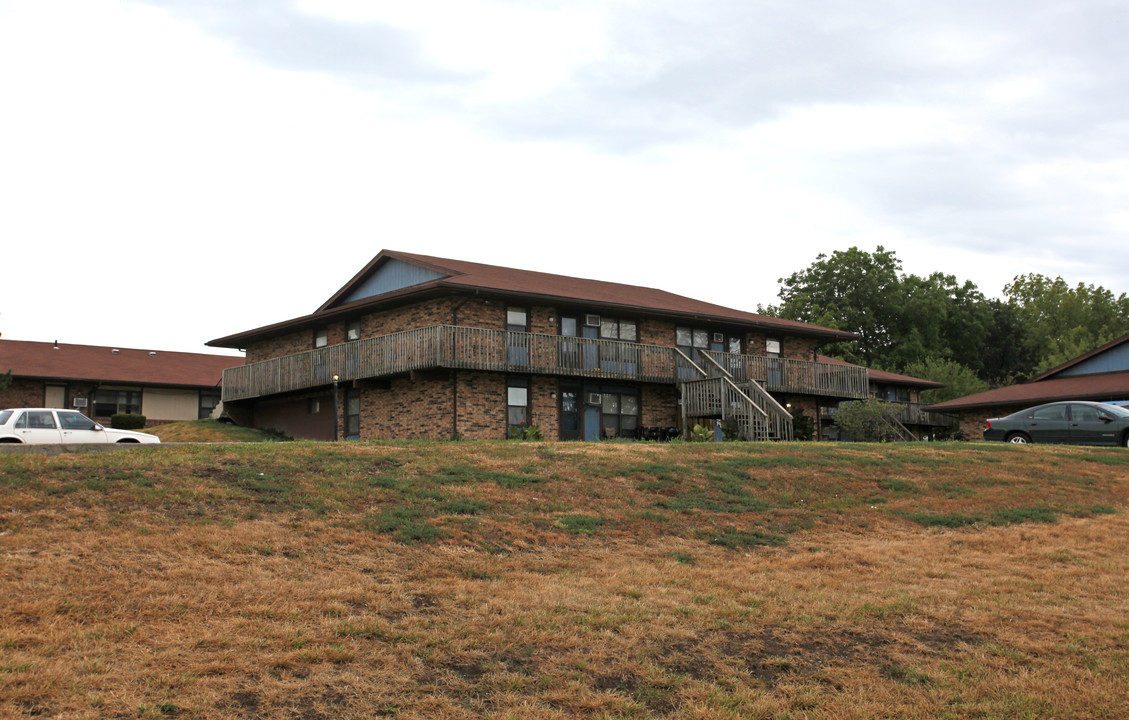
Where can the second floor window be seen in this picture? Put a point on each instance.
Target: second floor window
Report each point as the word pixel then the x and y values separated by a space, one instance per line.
pixel 321 337
pixel 613 329
pixel 690 340
pixel 517 319
pixel 353 331
pixel 772 347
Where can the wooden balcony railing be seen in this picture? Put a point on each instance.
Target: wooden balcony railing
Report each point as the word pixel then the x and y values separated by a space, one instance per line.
pixel 908 413
pixel 796 376
pixel 912 414
pixel 448 346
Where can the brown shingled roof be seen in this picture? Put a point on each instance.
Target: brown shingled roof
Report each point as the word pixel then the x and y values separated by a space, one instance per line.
pixel 41 360
pixel 471 276
pixel 1096 386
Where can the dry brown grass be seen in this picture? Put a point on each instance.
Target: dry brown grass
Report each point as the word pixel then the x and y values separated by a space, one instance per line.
pixel 163 582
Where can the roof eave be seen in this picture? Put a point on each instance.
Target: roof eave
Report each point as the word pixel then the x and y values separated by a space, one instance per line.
pixel 423 290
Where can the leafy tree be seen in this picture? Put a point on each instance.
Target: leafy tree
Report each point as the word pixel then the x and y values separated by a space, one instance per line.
pixel 1006 358
pixel 851 290
pixel 939 317
pixel 959 380
pixel 1060 322
pixel 899 319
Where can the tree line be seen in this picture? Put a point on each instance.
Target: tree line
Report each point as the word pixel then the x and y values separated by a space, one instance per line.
pixel 941 329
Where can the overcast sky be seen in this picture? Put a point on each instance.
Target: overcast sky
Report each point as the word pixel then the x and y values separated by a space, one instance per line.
pixel 172 172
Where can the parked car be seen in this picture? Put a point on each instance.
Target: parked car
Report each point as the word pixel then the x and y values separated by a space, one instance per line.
pixel 46 425
pixel 1077 423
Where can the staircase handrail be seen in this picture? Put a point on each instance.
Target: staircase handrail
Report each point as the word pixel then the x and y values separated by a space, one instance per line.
pixel 751 382
pixel 692 364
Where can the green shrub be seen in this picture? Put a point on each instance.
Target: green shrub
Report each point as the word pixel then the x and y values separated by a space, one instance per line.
pixel 869 420
pixel 525 432
pixel 730 430
pixel 127 421
pixel 700 433
pixel 803 426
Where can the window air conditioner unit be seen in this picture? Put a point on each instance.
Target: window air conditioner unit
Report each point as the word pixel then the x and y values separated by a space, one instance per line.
pixel 79 402
pixel 592 320
pixel 595 399
pixel 719 337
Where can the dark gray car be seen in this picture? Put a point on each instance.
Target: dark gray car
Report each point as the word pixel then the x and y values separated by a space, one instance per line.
pixel 1075 422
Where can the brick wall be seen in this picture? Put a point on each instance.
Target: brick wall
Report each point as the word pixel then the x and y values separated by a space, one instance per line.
pixel 482 405
pixel 297 416
pixel 653 331
pixel 408 317
pixel 281 346
pixel 973 422
pixel 544 407
pixel 659 406
pixel 23 393
pixel 791 346
pixel 416 406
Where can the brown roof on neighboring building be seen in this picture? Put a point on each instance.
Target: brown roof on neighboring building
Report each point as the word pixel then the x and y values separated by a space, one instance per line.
pixel 1096 386
pixel 48 361
pixel 471 276
pixel 881 376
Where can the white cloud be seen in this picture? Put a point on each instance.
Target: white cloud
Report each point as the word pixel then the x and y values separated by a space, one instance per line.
pixel 233 164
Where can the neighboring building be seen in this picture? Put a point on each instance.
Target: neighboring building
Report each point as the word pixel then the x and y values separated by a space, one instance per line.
pixel 1100 375
pixel 102 381
pixel 900 389
pixel 435 348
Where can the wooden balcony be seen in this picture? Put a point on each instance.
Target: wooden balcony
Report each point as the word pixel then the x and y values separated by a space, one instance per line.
pixel 907 413
pixel 796 376
pixel 913 414
pixel 447 346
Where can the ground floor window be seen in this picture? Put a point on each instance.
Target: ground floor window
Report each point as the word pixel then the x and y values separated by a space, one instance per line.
pixel 517 401
pixel 353 415
pixel 619 414
pixel 113 402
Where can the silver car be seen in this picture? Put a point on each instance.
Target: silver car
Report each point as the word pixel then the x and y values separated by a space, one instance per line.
pixel 38 426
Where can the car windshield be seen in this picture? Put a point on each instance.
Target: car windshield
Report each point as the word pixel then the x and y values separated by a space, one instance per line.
pixel 4 415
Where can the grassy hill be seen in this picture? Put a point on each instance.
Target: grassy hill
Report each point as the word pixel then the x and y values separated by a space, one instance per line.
pixel 211 431
pixel 539 580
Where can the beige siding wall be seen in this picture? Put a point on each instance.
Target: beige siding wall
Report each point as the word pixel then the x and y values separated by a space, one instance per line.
pixel 169 404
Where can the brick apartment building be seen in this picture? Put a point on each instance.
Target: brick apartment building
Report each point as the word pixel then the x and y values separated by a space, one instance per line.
pixel 426 347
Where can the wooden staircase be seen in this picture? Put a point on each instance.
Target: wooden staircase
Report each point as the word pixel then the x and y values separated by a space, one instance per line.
pixel 715 394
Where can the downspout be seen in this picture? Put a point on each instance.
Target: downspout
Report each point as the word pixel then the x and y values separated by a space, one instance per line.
pixel 455 376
